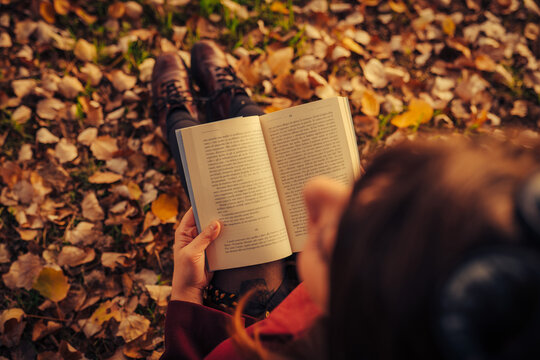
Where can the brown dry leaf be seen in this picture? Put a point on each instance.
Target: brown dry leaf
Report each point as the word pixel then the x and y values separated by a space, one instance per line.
pixel 83 233
pixel 74 256
pixel 165 207
pixel 42 329
pixel 65 151
pixel 46 10
pixel 61 7
pixel 87 136
pixel 375 73
pixel 485 63
pixel 134 190
pixel 104 177
pixel 133 326
pixel 280 61
pixel 21 115
pixel 302 87
pixel 160 293
pixel 121 81
pixel 85 51
pixel 370 104
pixel 91 73
pixel 104 147
pixel 52 284
pixel 23 272
pixel 153 146
pixel 48 108
pixel 5 40
pixel 23 87
pixel 105 312
pixel 27 234
pixel 44 136
pixel 11 327
pixel 91 209
pixel 5 255
pixel 70 87
pixel 112 260
pixel 84 16
pixel 117 10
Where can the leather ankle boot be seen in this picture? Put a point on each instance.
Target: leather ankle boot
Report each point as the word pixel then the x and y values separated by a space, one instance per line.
pixel 170 88
pixel 216 79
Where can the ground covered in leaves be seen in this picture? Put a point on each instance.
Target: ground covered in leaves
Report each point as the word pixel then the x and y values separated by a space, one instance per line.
pixel 89 197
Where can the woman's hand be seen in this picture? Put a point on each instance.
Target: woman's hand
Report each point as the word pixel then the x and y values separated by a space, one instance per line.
pixel 190 276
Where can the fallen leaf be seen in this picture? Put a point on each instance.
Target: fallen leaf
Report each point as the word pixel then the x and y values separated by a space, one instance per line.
pixel 82 233
pixel 370 104
pixel 70 87
pixel 105 312
pixel 375 73
pixel 87 136
pixel 353 46
pixel 134 190
pixel 133 9
pixel 65 151
pixel 23 87
pixel 104 177
pixel 44 136
pixel 48 108
pixel 52 284
pixel 397 6
pixel 112 259
pixel 61 7
pixel 419 112
pixel 121 81
pixel 85 51
pixel 485 63
pixel 91 209
pixel 42 329
pixel 133 326
pixel 21 115
pixel 11 327
pixel 84 16
pixel 5 40
pixel 160 293
pixel 91 73
pixel 448 26
pixel 116 10
pixel 75 256
pixel 46 10
pixel 280 61
pixel 104 147
pixel 23 272
pixel 165 207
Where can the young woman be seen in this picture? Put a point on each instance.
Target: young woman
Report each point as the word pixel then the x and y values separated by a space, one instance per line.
pixel 433 255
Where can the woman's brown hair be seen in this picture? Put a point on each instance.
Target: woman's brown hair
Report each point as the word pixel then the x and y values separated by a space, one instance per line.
pixel 419 209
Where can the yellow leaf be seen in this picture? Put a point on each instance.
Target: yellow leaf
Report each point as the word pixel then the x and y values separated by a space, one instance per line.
pixel 52 284
pixel 134 190
pixel 279 7
pixel 353 46
pixel 370 104
pixel 419 112
pixel 46 11
pixel 61 7
pixel 105 312
pixel 404 120
pixel 397 6
pixel 117 10
pixel 448 26
pixel 165 207
pixel 85 17
pixel 422 109
pixel 370 2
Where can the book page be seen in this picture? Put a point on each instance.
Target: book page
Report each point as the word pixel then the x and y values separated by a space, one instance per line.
pixel 303 142
pixel 230 179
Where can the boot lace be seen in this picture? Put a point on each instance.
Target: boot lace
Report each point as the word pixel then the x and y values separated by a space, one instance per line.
pixel 172 95
pixel 227 81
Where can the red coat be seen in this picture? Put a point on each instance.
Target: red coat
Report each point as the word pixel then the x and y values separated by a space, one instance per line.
pixel 195 331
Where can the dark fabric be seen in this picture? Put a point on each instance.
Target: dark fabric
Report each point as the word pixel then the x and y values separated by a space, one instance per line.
pixel 195 331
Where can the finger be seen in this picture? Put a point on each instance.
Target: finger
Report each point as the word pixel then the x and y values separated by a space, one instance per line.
pixel 209 234
pixel 186 230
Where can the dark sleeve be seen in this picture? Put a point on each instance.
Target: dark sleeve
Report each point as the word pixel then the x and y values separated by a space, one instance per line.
pixel 192 330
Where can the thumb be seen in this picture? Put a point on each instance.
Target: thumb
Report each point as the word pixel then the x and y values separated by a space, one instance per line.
pixel 209 234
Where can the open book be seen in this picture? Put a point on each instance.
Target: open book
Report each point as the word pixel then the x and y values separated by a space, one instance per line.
pixel 249 172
